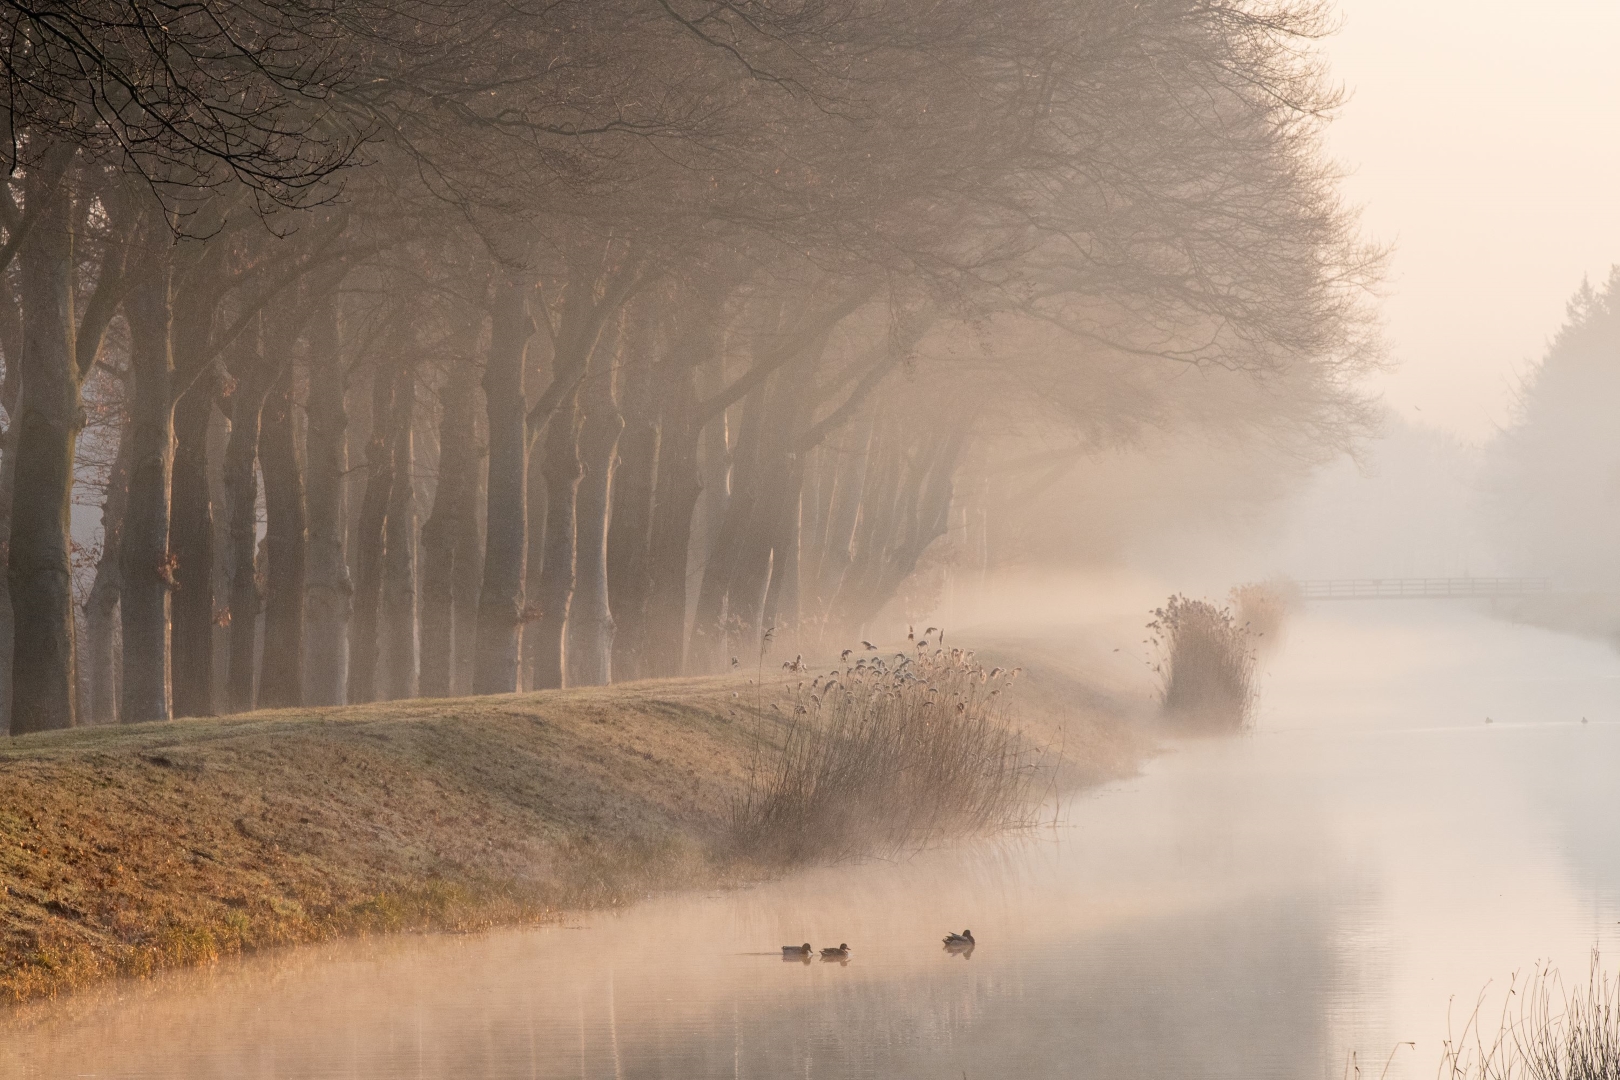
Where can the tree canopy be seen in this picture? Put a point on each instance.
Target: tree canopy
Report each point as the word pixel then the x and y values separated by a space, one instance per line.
pixel 459 346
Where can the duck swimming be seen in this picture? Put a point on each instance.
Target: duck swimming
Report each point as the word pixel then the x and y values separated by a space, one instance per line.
pixel 840 953
pixel 964 940
pixel 795 952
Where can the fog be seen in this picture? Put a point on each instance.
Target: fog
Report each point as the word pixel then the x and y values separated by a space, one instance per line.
pixel 1468 144
pixel 1240 376
pixel 1266 906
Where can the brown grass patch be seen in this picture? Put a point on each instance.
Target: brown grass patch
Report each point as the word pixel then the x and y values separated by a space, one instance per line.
pixel 128 850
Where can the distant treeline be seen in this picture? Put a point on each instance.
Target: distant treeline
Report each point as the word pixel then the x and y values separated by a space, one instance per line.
pixel 442 347
pixel 1552 478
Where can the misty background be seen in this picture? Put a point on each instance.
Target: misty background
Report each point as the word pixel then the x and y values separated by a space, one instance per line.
pixel 1474 143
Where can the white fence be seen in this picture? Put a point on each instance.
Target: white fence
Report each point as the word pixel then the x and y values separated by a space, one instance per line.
pixel 1464 588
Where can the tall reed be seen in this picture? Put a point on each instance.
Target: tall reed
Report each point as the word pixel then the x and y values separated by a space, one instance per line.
pixel 886 754
pixel 1206 665
pixel 1262 608
pixel 1553 1033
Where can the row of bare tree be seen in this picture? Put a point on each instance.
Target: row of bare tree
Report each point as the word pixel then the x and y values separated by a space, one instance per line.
pixel 438 347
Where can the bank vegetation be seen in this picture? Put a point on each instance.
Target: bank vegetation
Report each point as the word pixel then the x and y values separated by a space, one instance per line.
pixel 134 849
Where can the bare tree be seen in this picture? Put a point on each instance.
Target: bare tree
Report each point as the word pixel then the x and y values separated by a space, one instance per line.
pixel 148 566
pixel 329 588
pixel 500 601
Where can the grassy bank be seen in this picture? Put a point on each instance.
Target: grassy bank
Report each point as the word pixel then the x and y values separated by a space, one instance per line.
pixel 128 850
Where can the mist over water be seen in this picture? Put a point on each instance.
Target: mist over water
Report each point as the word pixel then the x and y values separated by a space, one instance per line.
pixel 1253 907
pixel 445 444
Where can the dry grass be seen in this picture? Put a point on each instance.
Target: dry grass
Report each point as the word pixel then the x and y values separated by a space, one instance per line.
pixel 884 755
pixel 1554 1033
pixel 1206 666
pixel 127 850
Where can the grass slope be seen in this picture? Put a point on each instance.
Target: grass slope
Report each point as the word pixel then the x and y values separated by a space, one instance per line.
pixel 127 850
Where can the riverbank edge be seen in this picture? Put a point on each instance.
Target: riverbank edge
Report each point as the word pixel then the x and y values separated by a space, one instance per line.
pixel 1594 616
pixel 131 850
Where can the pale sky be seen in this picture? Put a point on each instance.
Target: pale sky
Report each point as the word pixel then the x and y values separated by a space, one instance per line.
pixel 1483 140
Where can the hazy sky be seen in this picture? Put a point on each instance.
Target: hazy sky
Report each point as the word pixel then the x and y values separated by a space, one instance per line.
pixel 1484 143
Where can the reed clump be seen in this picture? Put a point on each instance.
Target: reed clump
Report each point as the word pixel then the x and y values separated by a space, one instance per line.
pixel 887 754
pixel 1263 608
pixel 1206 665
pixel 1546 1032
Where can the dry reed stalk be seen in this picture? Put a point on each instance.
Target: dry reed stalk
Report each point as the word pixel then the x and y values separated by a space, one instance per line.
pixel 884 755
pixel 1554 1034
pixel 1206 665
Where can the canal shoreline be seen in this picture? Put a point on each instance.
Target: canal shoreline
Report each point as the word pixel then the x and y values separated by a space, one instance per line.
pixel 126 851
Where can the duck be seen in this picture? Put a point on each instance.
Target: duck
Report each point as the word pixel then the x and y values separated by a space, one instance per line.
pixel 840 953
pixel 795 952
pixel 964 940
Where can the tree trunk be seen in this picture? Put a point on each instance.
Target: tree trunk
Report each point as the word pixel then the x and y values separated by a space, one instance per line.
pixel 879 496
pixel 535 502
pixel 100 704
pixel 906 507
pixel 589 649
pixel 837 547
pixel 444 535
pixel 330 592
pixel 10 391
pixel 242 522
pixel 751 572
pixel 930 487
pixel 363 636
pixel 148 567
pixel 781 608
pixel 675 498
pixel 757 501
pixel 815 501
pixel 555 590
pixel 281 669
pixel 398 630
pixel 191 524
pixel 219 439
pixel 439 566
pixel 500 600
pixel 469 579
pixel 771 487
pixel 715 446
pixel 628 572
pixel 43 693
pixel 706 651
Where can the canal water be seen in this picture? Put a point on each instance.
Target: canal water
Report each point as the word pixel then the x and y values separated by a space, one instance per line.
pixel 1362 866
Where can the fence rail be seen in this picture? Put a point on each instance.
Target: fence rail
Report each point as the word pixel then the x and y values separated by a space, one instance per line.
pixel 1464 588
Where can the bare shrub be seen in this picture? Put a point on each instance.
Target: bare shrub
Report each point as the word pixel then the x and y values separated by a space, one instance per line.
pixel 1263 607
pixel 1206 665
pixel 884 755
pixel 1554 1033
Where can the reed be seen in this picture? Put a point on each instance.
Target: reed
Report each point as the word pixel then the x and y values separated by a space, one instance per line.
pixel 1206 665
pixel 1546 1032
pixel 1263 608
pixel 886 754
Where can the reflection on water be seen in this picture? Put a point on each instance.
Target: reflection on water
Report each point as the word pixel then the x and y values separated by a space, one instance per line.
pixel 1258 907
